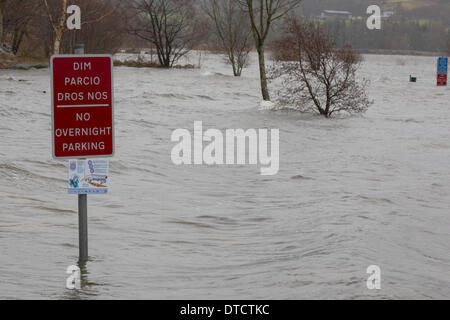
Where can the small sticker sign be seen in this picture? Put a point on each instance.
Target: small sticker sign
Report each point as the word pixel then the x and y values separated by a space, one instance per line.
pixel 443 65
pixel 88 176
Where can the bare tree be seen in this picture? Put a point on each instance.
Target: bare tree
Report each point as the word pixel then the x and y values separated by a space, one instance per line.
pixel 262 14
pixel 106 35
pixel 2 10
pixel 58 24
pixel 232 31
pixel 17 18
pixel 168 25
pixel 57 16
pixel 315 75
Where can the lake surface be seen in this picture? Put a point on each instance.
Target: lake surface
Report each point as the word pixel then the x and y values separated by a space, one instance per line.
pixel 351 192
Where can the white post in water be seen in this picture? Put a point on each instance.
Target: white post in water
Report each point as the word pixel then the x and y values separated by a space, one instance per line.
pixel 82 204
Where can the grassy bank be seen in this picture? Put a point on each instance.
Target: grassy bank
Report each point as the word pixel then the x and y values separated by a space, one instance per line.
pixel 141 64
pixel 24 63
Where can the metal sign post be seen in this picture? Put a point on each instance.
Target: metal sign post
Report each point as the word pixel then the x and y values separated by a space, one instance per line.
pixel 82 227
pixel 82 206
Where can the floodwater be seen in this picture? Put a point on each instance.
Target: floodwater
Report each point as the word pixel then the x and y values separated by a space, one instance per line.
pixel 351 192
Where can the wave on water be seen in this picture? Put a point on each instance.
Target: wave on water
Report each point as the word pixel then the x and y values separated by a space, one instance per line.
pixel 216 74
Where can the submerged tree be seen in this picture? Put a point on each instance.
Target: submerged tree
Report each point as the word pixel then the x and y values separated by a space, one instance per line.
pixel 58 25
pixel 57 17
pixel 315 75
pixel 262 14
pixel 17 15
pixel 167 24
pixel 232 31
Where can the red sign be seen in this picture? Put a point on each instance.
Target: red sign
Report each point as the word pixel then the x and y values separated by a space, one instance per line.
pixel 82 106
pixel 442 79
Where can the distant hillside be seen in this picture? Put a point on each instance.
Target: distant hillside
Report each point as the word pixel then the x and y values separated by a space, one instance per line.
pixel 415 4
pixel 416 9
pixel 417 27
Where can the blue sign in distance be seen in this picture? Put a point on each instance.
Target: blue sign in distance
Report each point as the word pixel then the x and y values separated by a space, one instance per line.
pixel 442 65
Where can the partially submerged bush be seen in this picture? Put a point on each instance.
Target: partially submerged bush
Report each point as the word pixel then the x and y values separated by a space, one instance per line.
pixel 316 76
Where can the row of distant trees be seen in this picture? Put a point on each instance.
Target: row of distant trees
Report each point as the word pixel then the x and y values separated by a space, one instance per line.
pixel 38 27
pixel 171 27
pixel 312 62
pixel 175 26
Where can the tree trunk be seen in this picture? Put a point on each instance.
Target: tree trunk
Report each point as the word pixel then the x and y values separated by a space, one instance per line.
pixel 235 71
pixel 262 72
pixel 2 8
pixel 57 43
pixel 233 64
pixel 59 30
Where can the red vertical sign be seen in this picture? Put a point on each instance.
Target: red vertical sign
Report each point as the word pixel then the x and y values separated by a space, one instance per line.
pixel 82 106
pixel 442 79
